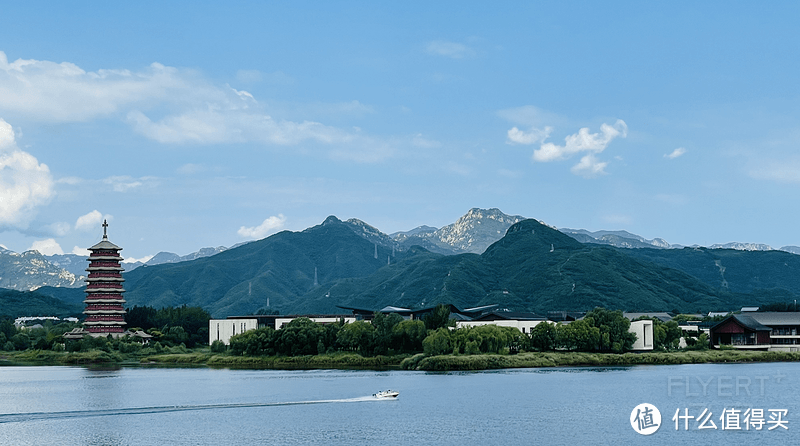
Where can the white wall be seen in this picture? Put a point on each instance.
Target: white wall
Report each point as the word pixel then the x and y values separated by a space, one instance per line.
pixel 223 329
pixel 523 326
pixel 644 335
pixel 281 321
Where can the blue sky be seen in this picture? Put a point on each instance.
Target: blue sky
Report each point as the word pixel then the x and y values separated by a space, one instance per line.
pixel 204 124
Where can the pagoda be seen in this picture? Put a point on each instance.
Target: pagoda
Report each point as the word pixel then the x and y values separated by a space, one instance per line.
pixel 104 312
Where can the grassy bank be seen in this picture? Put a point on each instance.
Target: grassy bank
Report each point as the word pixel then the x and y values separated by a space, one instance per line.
pixel 567 359
pixel 47 357
pixel 416 362
pixel 333 361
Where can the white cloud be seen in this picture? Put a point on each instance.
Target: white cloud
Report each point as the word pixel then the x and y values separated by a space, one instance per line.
pixel 63 92
pixel 80 251
pixel 532 136
pixel 124 183
pixel 424 143
pixel 144 259
pixel 70 180
pixel 269 226
pixel 675 153
pixel 47 247
pixel 589 167
pixel 449 49
pixel 583 141
pixel 60 228
pixel 190 109
pixel 787 171
pixel 90 221
pixel 25 184
pixel 213 126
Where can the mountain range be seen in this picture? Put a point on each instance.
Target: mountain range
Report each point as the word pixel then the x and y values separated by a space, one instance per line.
pixel 484 257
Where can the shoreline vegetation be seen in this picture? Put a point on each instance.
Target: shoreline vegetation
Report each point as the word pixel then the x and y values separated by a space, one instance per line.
pixel 421 362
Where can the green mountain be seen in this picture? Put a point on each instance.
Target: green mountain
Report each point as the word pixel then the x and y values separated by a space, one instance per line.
pixel 533 267
pixel 730 270
pixel 15 303
pixel 271 273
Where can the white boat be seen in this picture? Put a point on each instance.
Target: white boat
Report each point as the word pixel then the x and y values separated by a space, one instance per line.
pixel 386 394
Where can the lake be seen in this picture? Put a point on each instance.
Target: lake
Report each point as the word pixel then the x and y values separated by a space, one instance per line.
pixel 589 405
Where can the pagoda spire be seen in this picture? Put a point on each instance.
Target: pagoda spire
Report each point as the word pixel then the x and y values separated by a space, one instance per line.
pixel 105 227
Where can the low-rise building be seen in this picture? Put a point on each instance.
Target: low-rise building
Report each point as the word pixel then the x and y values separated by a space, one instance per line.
pixel 524 322
pixel 224 329
pixel 643 330
pixel 773 331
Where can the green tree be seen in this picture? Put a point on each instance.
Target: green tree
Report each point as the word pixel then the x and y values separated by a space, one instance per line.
pixel 218 347
pixel 357 336
pixel 21 341
pixel 544 336
pixel 579 335
pixel 384 325
pixel 408 335
pixel 298 337
pixel 439 318
pixel 614 329
pixel 437 343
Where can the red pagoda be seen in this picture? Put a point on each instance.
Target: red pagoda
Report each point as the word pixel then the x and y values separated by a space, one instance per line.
pixel 104 312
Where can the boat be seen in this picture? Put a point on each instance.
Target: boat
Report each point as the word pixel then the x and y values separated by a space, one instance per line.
pixel 386 394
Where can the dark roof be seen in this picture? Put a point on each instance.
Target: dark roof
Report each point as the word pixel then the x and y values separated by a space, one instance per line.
pixel 564 316
pixel 509 315
pixel 663 317
pixel 771 318
pixel 745 321
pixel 470 312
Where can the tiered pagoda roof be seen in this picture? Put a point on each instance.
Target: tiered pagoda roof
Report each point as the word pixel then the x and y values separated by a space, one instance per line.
pixel 105 314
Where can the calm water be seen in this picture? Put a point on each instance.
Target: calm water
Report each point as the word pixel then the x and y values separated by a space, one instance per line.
pixel 144 406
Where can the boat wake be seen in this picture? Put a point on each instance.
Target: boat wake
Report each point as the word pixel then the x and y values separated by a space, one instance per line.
pixel 32 416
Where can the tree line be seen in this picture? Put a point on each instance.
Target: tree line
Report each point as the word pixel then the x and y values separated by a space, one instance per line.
pixel 170 327
pixel 388 334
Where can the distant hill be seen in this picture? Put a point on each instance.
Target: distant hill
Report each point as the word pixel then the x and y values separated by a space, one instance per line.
pixel 731 270
pixel 31 270
pixel 620 239
pixel 535 268
pixel 473 232
pixel 485 257
pixel 15 303
pixel 273 272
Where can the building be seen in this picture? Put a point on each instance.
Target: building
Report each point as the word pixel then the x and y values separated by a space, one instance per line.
pixel 523 322
pixel 741 332
pixel 224 329
pixel 773 331
pixel 785 329
pixel 643 330
pixel 105 314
